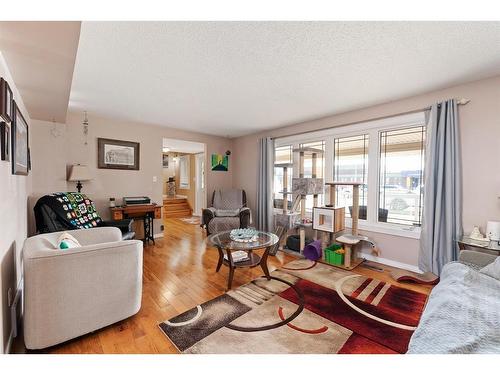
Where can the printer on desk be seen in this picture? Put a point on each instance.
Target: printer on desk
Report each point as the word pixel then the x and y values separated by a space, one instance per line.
pixel 128 201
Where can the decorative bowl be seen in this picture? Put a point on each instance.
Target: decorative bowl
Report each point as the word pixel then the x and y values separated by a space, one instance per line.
pixel 243 235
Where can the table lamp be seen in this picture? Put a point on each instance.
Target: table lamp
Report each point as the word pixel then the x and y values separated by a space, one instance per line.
pixel 79 173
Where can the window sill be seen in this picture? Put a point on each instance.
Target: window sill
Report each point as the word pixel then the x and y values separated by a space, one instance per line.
pixel 391 229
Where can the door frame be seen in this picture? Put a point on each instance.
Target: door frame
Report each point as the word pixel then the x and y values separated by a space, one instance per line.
pixel 200 197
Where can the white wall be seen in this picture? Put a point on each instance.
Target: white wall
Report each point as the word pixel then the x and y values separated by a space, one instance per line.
pixel 14 191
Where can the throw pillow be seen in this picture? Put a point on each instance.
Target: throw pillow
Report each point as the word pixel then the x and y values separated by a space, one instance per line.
pixel 67 241
pixel 227 213
pixel 492 269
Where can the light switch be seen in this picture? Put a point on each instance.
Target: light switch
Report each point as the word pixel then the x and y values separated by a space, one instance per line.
pixel 155 179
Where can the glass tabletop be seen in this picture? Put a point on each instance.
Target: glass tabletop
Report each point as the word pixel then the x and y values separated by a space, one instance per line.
pixel 224 241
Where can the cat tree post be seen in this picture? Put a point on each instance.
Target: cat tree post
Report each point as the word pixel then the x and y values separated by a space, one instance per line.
pixel 302 231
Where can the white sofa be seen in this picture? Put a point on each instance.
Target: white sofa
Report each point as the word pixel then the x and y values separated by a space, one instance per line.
pixel 68 293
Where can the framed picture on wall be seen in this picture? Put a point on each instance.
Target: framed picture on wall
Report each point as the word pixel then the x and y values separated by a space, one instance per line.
pixel 5 141
pixel 20 152
pixel 6 101
pixel 165 160
pixel 116 154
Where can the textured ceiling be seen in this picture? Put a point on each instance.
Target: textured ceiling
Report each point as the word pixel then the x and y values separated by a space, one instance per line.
pixel 235 78
pixel 41 58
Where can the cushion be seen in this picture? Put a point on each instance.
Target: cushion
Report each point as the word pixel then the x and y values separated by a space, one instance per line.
pixel 492 269
pixel 67 241
pixel 227 213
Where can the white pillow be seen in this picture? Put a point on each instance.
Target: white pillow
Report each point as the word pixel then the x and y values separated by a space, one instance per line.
pixel 492 269
pixel 67 241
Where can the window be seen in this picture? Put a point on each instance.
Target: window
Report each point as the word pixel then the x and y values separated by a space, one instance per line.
pixel 351 165
pixel 401 175
pixel 308 170
pixel 184 172
pixel 386 155
pixel 282 157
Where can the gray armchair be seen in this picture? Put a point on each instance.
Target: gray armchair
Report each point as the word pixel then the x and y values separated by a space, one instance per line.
pixel 228 211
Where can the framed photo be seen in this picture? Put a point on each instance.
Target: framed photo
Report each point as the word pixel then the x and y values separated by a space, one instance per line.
pixel 20 152
pixel 5 141
pixel 6 101
pixel 165 160
pixel 116 154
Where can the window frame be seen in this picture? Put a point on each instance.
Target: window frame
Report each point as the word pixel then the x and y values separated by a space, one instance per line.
pixel 374 129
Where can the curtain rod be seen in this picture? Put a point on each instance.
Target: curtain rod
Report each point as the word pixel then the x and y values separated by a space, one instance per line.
pixel 461 101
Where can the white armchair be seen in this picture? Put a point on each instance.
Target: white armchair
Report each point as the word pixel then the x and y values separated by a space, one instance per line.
pixel 69 293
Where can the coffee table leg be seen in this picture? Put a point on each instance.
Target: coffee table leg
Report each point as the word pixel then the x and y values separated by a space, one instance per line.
pixel 221 258
pixel 231 269
pixel 263 263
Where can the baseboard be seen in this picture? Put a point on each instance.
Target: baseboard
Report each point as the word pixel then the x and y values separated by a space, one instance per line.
pixel 389 262
pixel 158 235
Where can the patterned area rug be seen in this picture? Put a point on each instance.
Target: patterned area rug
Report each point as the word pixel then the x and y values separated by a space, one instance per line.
pixel 305 308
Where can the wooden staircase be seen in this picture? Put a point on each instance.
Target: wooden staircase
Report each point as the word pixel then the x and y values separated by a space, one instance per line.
pixel 176 207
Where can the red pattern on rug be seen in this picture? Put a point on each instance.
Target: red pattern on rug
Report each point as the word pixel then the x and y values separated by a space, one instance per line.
pixel 303 330
pixel 362 287
pixel 374 292
pixel 328 304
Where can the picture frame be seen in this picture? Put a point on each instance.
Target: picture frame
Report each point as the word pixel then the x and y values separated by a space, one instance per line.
pixel 19 143
pixel 220 162
pixel 118 154
pixel 4 141
pixel 165 161
pixel 6 101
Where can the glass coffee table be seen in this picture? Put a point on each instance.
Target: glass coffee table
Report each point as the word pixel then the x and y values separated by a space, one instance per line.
pixel 223 242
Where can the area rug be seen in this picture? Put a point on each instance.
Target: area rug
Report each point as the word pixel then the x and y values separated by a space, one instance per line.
pixel 305 308
pixel 195 220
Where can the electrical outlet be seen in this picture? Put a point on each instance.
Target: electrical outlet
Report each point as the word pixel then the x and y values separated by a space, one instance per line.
pixel 10 297
pixel 155 179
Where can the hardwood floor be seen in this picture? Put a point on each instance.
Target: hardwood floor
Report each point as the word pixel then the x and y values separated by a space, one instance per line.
pixel 179 273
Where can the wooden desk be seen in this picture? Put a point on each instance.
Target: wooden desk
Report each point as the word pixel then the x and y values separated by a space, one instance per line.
pixel 145 212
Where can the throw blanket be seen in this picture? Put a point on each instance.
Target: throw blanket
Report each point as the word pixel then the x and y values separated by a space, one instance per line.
pixel 462 314
pixel 74 209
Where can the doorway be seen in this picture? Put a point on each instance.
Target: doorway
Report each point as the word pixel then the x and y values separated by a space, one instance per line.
pixel 183 179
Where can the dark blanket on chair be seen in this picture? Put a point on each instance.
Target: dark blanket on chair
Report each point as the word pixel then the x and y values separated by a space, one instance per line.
pixel 76 210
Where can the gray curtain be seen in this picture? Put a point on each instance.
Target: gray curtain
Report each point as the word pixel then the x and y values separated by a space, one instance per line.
pixel 442 212
pixel 265 185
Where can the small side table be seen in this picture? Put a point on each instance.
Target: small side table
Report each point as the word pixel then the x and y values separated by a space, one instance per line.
pixel 491 247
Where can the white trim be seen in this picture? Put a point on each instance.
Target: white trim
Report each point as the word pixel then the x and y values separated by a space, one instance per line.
pixel 411 119
pixel 158 235
pixel 406 231
pixel 389 262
